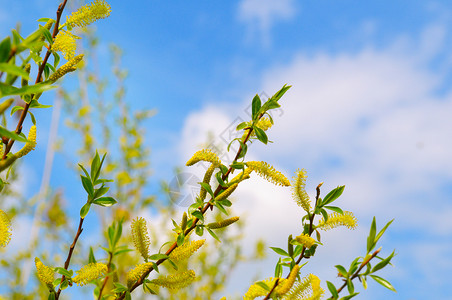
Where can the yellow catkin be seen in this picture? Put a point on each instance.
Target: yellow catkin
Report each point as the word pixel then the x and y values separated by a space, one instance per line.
pixel 256 290
pixel 89 273
pixel 186 250
pixel 299 190
pixel 241 176
pixel 267 171
pixel 89 13
pixel 307 288
pixel 29 145
pixel 306 240
pixel 204 155
pixel 207 177
pixel 136 273
pixel 226 193
pixel 5 229
pixel 264 124
pixel 6 104
pixel 66 43
pixel 176 281
pixel 70 66
pixel 183 223
pixel 223 223
pixel 45 274
pixel 285 286
pixel 335 220
pixel 140 236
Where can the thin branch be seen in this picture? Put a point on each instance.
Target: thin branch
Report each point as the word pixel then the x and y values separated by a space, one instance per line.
pixel 38 79
pixel 273 288
pixel 106 278
pixel 69 256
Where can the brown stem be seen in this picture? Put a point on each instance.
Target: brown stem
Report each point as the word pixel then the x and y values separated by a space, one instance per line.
pixel 38 79
pixel 273 288
pixel 106 278
pixel 69 256
pixel 363 264
pixel 196 220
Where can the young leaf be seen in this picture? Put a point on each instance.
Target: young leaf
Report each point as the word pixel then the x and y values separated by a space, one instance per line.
pixel 198 215
pixel 335 209
pixel 14 70
pixel 332 289
pixel 342 270
pixel 95 164
pixel 84 211
pixel 278 269
pixel 213 234
pixel 105 201
pixel 280 251
pixel 87 185
pixel 12 135
pixel 382 263
pixel 207 187
pixel 158 256
pixel 261 135
pixel 199 230
pixel 333 195
pixel 180 239
pixel 382 231
pixel 371 238
pixel 91 258
pixel 383 282
pixel 256 106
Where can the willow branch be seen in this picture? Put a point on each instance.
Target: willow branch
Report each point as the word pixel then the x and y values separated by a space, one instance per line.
pixel 106 278
pixel 38 79
pixel 195 222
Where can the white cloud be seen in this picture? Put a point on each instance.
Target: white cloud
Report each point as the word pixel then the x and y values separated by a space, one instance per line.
pixel 261 15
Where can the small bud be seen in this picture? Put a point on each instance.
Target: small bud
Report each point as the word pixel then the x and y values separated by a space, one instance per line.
pixel 223 223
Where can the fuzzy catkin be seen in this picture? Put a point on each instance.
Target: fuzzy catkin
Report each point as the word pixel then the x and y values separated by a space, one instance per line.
pixel 89 273
pixel 299 190
pixel 45 274
pixel 87 14
pixel 204 155
pixel 223 223
pixel 5 229
pixel 176 281
pixel 268 172
pixel 140 236
pixel 186 250
pixel 335 220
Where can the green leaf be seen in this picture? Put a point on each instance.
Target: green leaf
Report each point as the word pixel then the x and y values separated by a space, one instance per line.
pixel 14 70
pixel 51 296
pixel 324 214
pixel 371 238
pixel 333 195
pixel 383 263
pixel 33 119
pixel 278 269
pixel 105 201
pixel 198 215
pixel 84 170
pixel 84 211
pixel 383 231
pixel 180 239
pixel 220 180
pixel 95 164
pixel 100 191
pixel 56 59
pixel 261 135
pixel 5 49
pixel 256 106
pixel 16 108
pixel 242 125
pixel 12 135
pixel 213 234
pixel 128 296
pixel 36 104
pixel 207 187
pixel 6 90
pixel 263 285
pixel 350 286
pixel 281 92
pixel 237 165
pixel 280 251
pixel 349 296
pixel 64 272
pixel 87 185
pixel 244 148
pixel 119 288
pixel 342 270
pixel 46 33
pixel 364 281
pixel 158 256
pixel 221 208
pixel 199 230
pixel 335 209
pixel 383 282
pixel 91 258
pixel 332 289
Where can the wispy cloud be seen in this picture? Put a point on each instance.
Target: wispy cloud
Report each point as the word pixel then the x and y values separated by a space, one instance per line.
pixel 261 15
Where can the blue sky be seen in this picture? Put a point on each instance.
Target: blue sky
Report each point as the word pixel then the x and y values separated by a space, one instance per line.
pixel 370 108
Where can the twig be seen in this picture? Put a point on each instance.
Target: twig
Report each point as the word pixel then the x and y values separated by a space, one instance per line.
pixel 69 256
pixel 38 79
pixel 106 278
pixel 273 288
pixel 363 264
